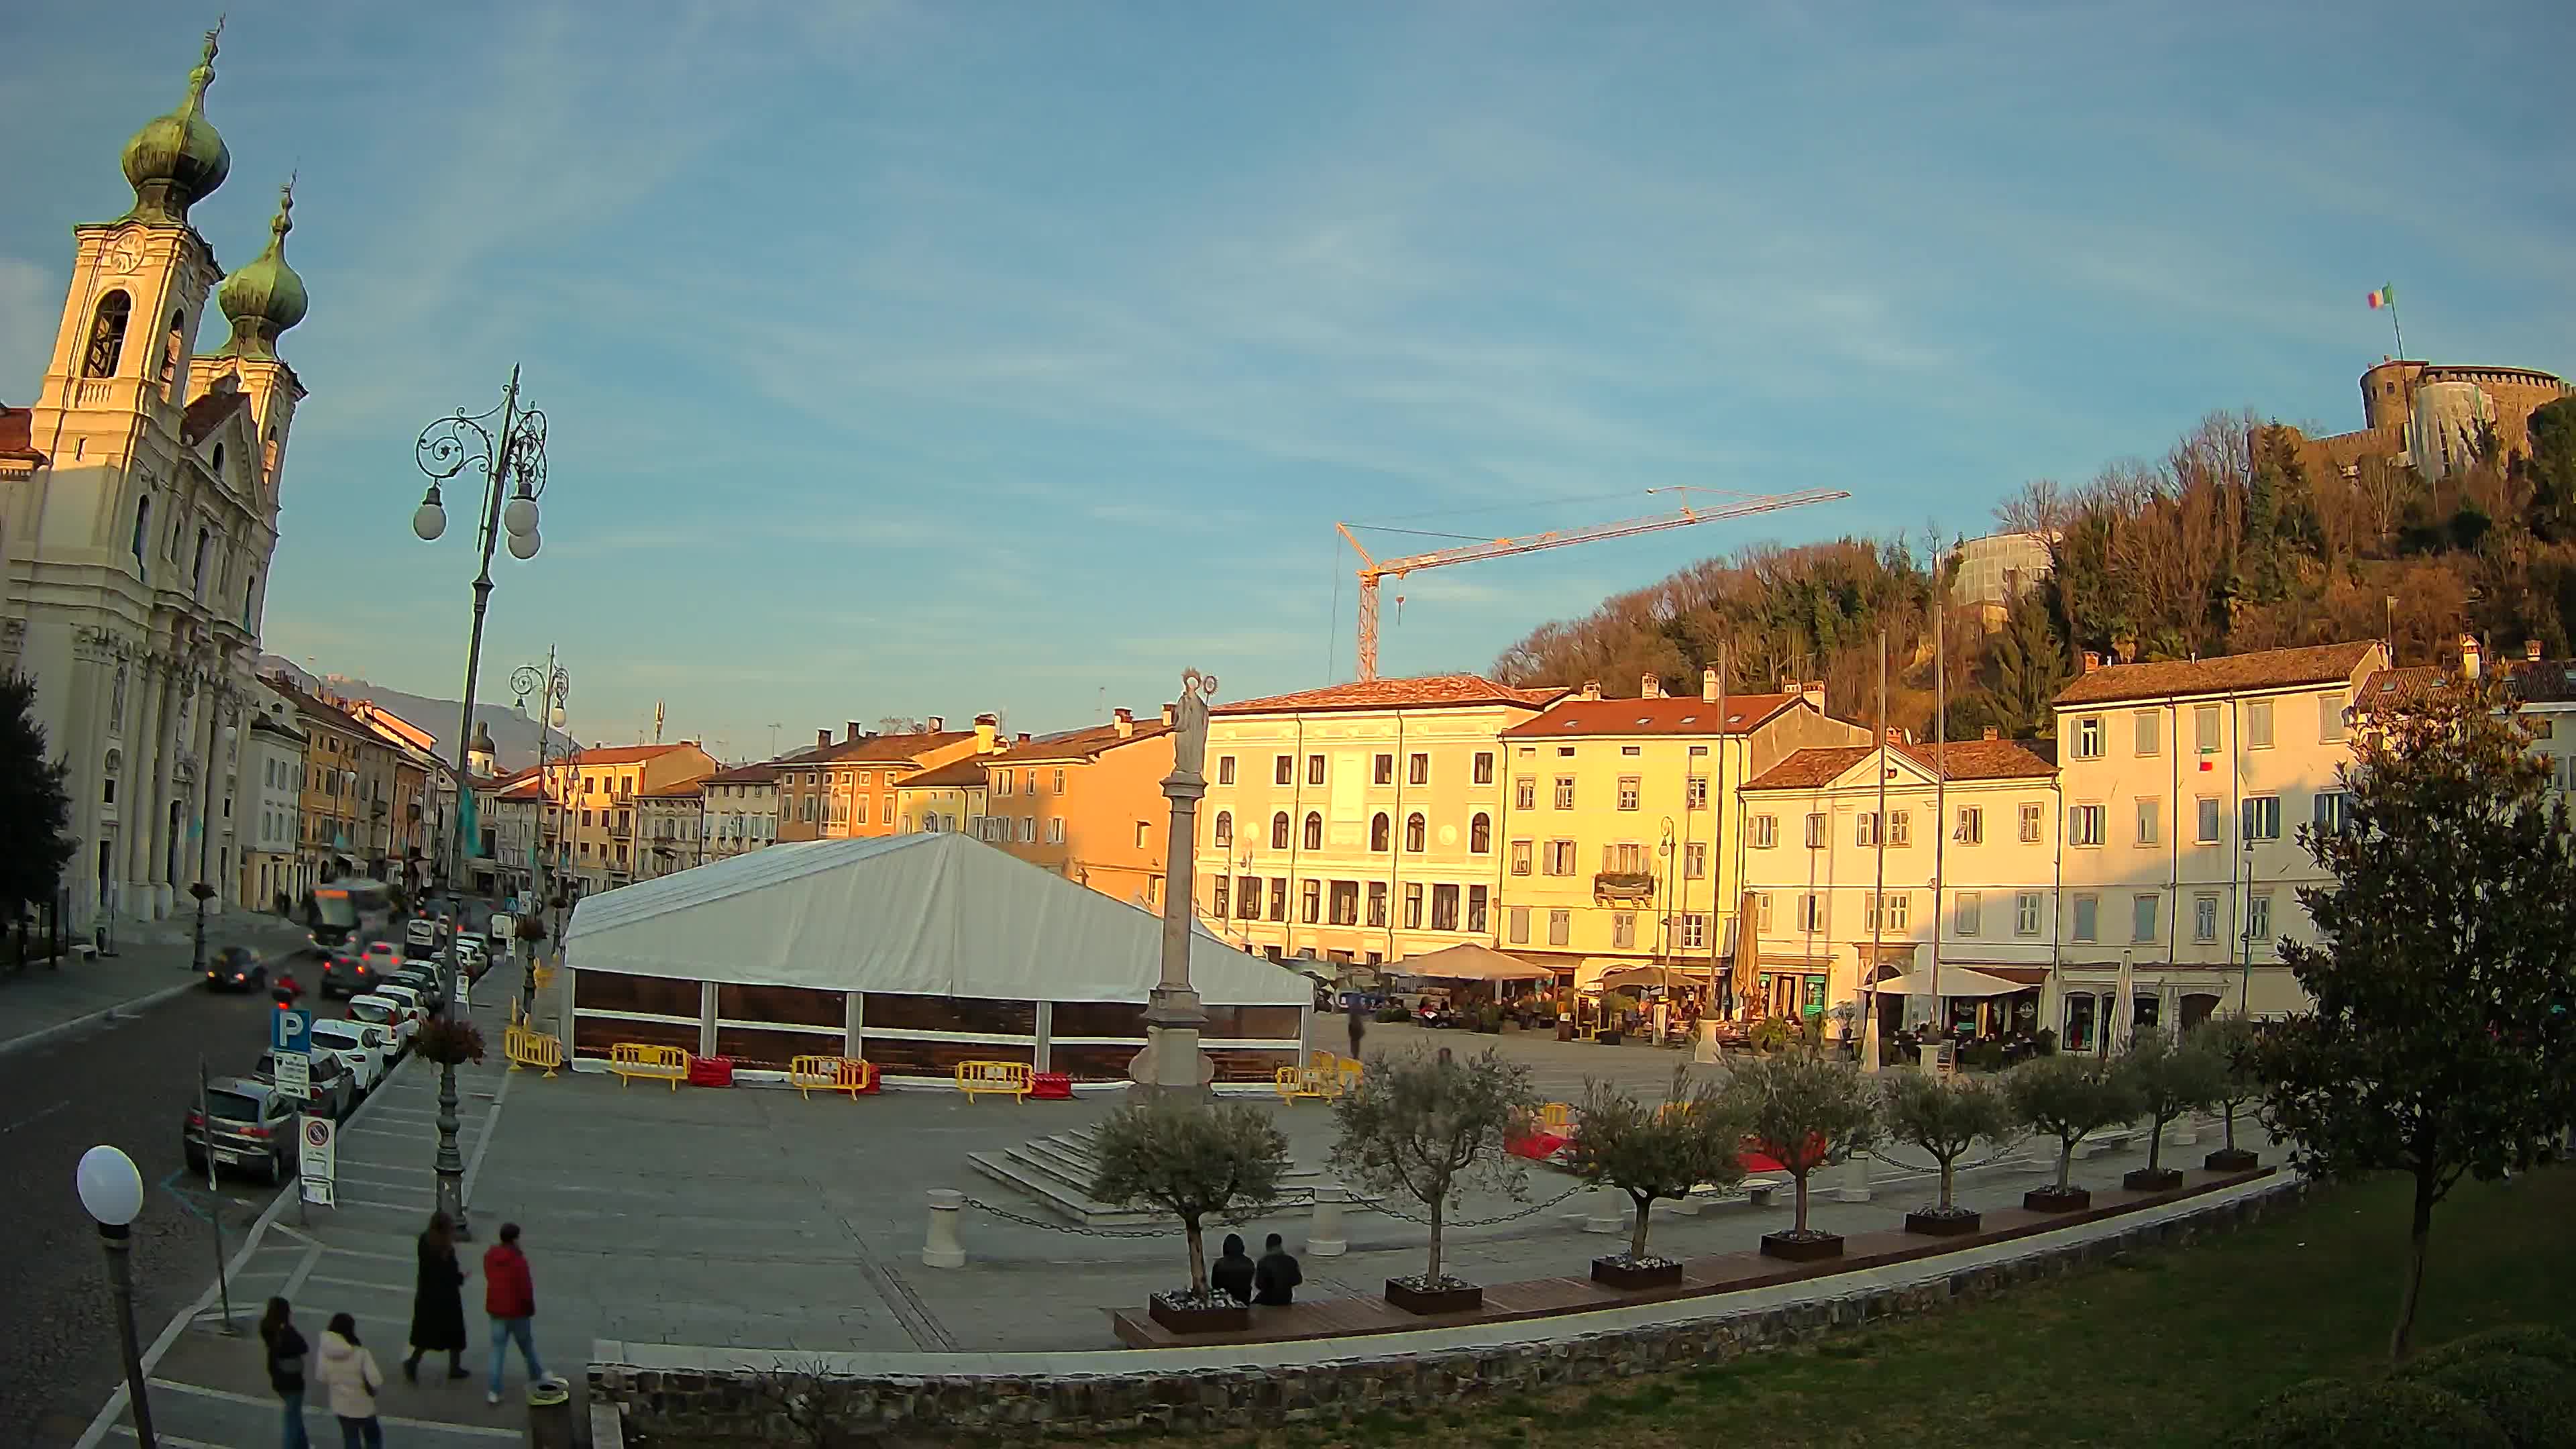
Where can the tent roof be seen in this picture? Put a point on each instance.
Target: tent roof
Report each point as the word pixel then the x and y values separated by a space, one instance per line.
pixel 920 915
pixel 1468 961
pixel 1955 981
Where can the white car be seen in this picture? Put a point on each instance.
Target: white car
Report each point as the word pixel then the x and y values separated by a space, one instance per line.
pixel 383 1011
pixel 469 956
pixel 410 999
pixel 359 1046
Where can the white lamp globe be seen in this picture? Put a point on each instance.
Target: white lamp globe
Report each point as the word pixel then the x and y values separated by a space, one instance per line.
pixel 524 545
pixel 428 521
pixel 520 516
pixel 110 1189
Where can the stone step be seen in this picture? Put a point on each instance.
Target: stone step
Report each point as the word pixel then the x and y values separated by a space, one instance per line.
pixel 1058 1178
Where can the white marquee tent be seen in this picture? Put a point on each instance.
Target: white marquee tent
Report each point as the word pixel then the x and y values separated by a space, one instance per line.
pixel 928 915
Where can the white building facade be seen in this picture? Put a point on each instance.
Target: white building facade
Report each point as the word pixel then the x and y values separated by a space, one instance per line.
pixel 270 804
pixel 138 545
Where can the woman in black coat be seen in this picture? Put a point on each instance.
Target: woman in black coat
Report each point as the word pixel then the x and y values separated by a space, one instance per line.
pixel 437 1308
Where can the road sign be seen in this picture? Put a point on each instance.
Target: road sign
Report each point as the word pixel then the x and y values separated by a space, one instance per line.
pixel 318 1146
pixel 293 1075
pixel 291 1030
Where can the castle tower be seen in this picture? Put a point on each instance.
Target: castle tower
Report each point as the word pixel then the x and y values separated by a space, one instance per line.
pixel 137 549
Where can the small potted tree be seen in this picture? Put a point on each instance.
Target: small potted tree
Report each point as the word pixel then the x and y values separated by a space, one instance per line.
pixel 1805 1113
pixel 2068 1098
pixel 2168 1079
pixel 2231 1039
pixel 1652 1151
pixel 1194 1161
pixel 1945 1119
pixel 1430 1129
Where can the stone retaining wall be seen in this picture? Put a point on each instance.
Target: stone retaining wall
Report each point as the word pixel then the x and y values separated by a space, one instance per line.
pixel 684 1409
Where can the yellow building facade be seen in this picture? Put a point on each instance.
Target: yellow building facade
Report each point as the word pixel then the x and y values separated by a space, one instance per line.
pixel 1088 804
pixel 1362 822
pixel 1618 821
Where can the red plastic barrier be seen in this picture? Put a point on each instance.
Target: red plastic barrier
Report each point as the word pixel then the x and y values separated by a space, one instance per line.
pixel 710 1071
pixel 1051 1087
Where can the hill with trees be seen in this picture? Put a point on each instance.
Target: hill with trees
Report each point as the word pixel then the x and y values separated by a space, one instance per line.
pixel 2240 538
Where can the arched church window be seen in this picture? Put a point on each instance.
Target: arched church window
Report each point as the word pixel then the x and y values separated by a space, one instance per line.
pixel 142 523
pixel 219 460
pixel 171 347
pixel 107 335
pixel 205 541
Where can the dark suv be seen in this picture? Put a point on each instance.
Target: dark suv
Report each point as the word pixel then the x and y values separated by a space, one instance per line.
pixel 254 1128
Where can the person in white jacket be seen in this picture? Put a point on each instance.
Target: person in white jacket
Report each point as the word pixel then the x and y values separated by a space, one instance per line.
pixel 348 1373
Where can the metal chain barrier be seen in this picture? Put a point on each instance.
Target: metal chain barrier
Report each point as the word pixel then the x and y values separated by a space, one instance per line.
pixel 2005 1155
pixel 1445 1225
pixel 1074 1229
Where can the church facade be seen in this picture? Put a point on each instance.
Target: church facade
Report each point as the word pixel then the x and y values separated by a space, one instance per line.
pixel 140 517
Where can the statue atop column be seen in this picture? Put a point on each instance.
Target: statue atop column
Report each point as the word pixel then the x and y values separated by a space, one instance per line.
pixel 1171 1065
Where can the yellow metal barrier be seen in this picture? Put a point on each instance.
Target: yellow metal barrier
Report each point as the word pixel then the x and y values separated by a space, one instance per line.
pixel 528 1048
pixel 1556 1116
pixel 1299 1083
pixel 1006 1078
pixel 632 1059
pixel 811 1074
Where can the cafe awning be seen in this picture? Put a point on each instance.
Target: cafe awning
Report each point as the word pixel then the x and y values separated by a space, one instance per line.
pixel 1626 976
pixel 1955 981
pixel 1471 962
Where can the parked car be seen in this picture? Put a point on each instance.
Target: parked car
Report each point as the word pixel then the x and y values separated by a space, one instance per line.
pixel 335 1091
pixel 345 973
pixel 236 968
pixel 384 1011
pixel 253 1129
pixel 363 1047
pixel 500 931
pixel 422 934
pixel 420 980
pixel 470 957
pixel 410 999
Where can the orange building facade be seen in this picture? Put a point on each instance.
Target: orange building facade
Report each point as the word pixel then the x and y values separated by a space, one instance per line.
pixel 845 790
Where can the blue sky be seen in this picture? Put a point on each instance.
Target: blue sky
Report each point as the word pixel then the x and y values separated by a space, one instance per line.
pixel 931 358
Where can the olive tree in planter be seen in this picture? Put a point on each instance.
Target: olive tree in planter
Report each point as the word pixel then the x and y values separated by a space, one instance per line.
pixel 2170 1079
pixel 1430 1129
pixel 2069 1098
pixel 1946 1119
pixel 2232 1040
pixel 1194 1161
pixel 1651 1151
pixel 1804 1112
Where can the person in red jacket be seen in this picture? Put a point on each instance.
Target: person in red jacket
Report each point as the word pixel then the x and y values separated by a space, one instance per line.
pixel 510 1298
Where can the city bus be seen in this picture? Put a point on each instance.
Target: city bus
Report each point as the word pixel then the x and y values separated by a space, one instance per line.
pixel 350 913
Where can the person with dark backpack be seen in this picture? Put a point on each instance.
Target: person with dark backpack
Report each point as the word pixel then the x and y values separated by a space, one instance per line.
pixel 286 1349
pixel 1276 1276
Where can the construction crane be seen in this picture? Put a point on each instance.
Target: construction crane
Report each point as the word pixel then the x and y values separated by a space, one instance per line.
pixel 1372 570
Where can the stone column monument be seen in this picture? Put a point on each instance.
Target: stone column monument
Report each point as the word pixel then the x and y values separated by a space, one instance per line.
pixel 1171 1065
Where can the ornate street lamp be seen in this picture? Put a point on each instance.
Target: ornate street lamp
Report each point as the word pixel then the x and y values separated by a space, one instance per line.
pixel 111 1191
pixel 507 445
pixel 552 684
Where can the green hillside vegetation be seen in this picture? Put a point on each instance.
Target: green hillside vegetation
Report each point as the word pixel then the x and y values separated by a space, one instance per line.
pixel 2237 540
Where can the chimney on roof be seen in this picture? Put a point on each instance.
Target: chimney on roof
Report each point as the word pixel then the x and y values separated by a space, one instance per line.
pixel 1591 689
pixel 1023 737
pixel 1123 721
pixel 1651 687
pixel 1992 733
pixel 1814 692
pixel 2092 661
pixel 822 738
pixel 988 731
pixel 2469 657
pixel 936 724
pixel 2531 651
pixel 850 731
pixel 1168 712
pixel 1895 734
pixel 1708 685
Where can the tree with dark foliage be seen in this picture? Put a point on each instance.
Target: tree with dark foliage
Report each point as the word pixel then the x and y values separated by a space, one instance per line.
pixel 35 808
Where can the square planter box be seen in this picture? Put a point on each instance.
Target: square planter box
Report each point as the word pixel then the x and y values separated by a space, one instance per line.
pixel 1225 1318
pixel 1815 1249
pixel 2151 1179
pixel 2050 1200
pixel 1608 1038
pixel 1941 1225
pixel 2231 1159
pixel 1618 1273
pixel 1465 1298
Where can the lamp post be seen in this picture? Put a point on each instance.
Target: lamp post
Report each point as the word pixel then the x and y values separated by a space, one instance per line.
pixel 205 839
pixel 508 446
pixel 112 1193
pixel 552 685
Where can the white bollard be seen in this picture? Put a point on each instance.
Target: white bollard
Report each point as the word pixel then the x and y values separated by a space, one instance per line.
pixel 1855 1185
pixel 1609 1212
pixel 941 1249
pixel 1324 1236
pixel 2184 1132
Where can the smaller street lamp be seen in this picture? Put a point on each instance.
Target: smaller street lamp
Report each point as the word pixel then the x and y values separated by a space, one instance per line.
pixel 112 1193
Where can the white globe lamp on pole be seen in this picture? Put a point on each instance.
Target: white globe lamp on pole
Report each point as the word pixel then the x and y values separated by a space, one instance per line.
pixel 111 1191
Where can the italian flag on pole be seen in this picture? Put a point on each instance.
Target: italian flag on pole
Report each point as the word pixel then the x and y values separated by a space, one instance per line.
pixel 2384 297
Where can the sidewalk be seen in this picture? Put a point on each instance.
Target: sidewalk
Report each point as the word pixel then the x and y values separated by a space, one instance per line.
pixel 152 964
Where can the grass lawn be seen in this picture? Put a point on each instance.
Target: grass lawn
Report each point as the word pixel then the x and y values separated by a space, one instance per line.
pixel 2172 1348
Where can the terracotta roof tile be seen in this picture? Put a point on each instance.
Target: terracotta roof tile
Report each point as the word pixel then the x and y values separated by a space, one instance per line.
pixel 17 435
pixel 1813 768
pixel 207 413
pixel 881 749
pixel 760 774
pixel 955 775
pixel 2226 674
pixel 1672 715
pixel 626 754
pixel 1089 743
pixel 1430 691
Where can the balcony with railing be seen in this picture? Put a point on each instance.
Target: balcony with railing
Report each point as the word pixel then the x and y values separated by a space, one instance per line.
pixel 1623 885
